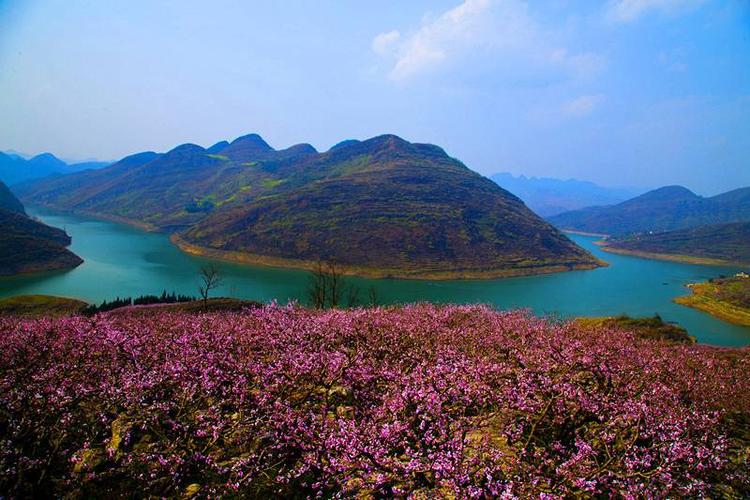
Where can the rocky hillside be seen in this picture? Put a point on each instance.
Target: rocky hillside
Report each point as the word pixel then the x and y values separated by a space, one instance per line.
pixel 28 245
pixel 382 207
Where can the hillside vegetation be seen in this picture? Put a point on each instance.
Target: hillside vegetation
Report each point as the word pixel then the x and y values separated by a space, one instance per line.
pixel 422 401
pixel 664 209
pixel 383 207
pixel 725 298
pixel 714 244
pixel 28 245
pixel 40 305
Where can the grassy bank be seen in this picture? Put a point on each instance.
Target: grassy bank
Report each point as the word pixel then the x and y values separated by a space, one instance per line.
pixel 653 328
pixel 683 259
pixel 40 305
pixel 727 299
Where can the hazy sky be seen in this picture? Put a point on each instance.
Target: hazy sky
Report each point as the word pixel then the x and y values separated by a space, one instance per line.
pixel 621 92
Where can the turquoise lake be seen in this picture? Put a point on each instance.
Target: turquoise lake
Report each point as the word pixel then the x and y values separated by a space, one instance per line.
pixel 124 261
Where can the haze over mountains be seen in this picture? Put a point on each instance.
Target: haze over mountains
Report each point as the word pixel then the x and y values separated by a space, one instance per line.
pixel 27 245
pixel 15 169
pixel 383 207
pixel 664 209
pixel 547 196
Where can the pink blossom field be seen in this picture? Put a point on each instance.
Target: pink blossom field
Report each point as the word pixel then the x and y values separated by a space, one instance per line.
pixel 418 401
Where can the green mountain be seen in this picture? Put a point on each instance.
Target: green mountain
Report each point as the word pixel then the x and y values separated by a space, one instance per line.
pixel 728 243
pixel 27 245
pixel 664 209
pixel 380 207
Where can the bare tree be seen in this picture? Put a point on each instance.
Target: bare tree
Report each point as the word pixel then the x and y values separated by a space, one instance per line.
pixel 373 295
pixel 210 279
pixel 352 295
pixel 335 284
pixel 327 286
pixel 318 287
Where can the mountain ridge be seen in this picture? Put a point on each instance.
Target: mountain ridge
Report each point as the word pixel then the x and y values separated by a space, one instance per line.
pixel 16 169
pixel 721 244
pixel 663 209
pixel 406 209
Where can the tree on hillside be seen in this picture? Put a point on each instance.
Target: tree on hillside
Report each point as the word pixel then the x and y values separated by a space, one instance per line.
pixel 210 278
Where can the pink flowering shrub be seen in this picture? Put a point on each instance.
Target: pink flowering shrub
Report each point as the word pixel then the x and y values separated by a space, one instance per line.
pixel 415 401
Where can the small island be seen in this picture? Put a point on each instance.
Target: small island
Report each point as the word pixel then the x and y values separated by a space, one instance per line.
pixel 725 298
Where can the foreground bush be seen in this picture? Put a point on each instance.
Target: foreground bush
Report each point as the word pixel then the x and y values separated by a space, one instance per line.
pixel 421 400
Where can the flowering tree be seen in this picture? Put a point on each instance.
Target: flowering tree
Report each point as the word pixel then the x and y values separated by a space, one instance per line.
pixel 425 401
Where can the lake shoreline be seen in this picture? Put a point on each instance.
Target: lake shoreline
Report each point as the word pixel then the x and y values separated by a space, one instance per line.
pixel 683 259
pixel 584 233
pixel 701 300
pixel 365 272
pixel 125 260
pixel 358 271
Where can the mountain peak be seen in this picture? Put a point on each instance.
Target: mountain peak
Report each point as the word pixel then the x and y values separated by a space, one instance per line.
pixel 217 147
pixel 390 141
pixel 344 144
pixel 303 148
pixel 252 140
pixel 668 193
pixel 188 148
pixel 247 147
pixel 48 159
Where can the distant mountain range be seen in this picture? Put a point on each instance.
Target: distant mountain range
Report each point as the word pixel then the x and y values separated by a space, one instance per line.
pixel 717 243
pixel 27 245
pixel 548 197
pixel 381 207
pixel 664 209
pixel 15 169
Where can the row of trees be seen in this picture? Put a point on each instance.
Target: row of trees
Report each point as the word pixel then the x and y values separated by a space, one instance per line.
pixel 328 288
pixel 164 298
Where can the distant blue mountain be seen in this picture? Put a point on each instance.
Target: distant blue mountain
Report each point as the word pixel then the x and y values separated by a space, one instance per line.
pixel 15 168
pixel 547 196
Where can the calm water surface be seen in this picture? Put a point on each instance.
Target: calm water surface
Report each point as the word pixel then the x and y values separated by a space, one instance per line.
pixel 124 261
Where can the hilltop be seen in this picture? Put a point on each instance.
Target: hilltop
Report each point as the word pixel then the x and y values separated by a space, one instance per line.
pixel 664 209
pixel 28 245
pixel 714 244
pixel 382 207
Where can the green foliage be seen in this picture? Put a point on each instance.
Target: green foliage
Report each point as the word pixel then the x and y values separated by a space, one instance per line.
pixel 271 183
pixel 39 305
pixel 164 298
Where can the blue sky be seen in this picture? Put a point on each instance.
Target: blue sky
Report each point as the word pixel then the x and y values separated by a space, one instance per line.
pixel 620 92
